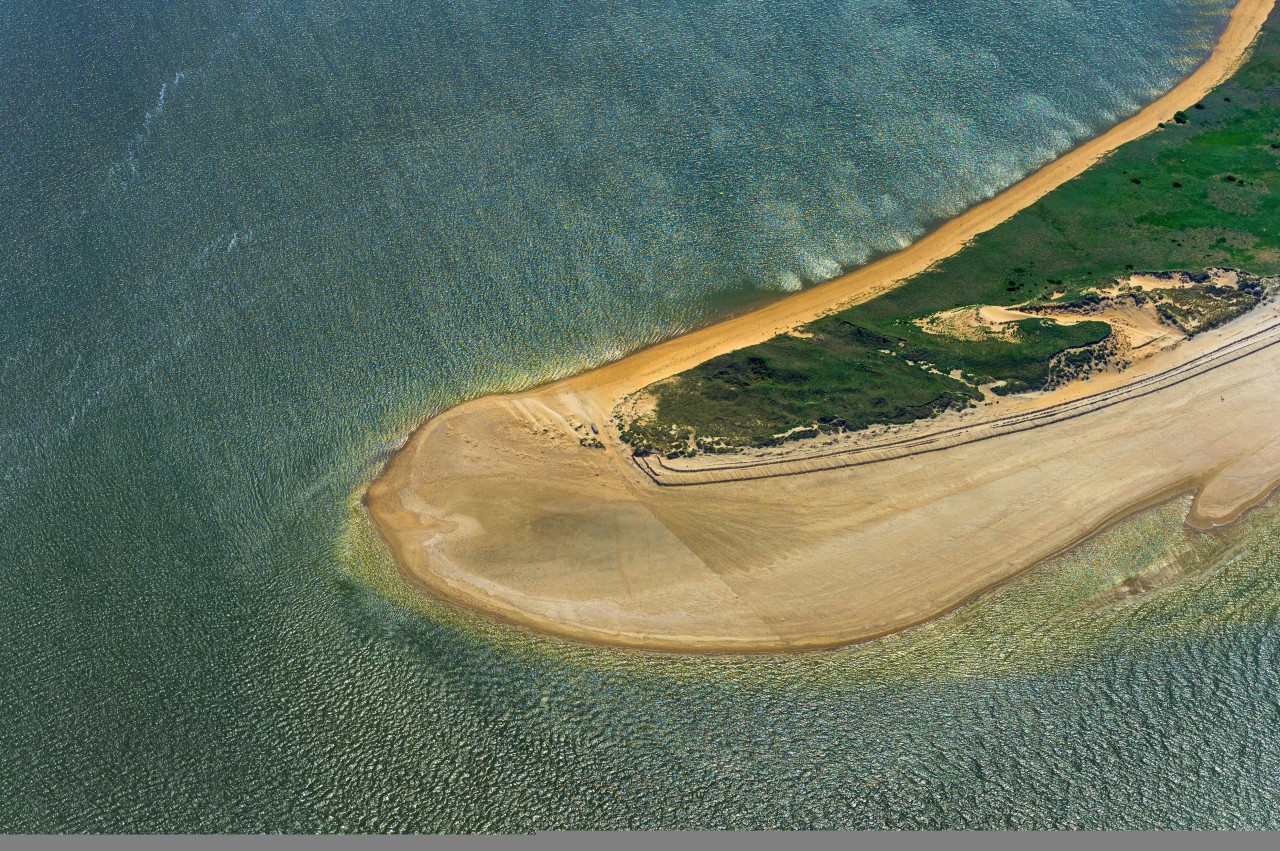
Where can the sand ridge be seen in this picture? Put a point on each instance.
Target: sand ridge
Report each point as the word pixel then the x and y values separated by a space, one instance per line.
pixel 501 505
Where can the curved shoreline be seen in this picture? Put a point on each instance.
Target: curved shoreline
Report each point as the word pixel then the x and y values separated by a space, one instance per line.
pixel 939 510
pixel 662 360
pixel 474 454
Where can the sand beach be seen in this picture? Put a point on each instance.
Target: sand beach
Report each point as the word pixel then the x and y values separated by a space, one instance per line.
pixel 504 505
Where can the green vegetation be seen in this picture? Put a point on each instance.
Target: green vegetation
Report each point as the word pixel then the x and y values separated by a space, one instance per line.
pixel 843 378
pixel 1195 194
pixel 1201 308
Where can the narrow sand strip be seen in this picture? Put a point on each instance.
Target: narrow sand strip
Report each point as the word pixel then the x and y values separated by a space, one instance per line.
pixel 615 380
pixel 497 505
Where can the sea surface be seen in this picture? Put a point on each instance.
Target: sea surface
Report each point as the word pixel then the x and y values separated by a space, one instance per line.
pixel 245 245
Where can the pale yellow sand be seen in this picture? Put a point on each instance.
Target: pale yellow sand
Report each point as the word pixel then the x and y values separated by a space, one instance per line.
pixel 1139 324
pixel 496 505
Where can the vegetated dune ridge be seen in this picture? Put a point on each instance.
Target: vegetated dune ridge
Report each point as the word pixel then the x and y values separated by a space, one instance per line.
pixel 502 505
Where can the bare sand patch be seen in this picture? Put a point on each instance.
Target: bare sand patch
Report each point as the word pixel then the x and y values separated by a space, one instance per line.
pixel 1146 282
pixel 973 323
pixel 1139 330
pixel 499 508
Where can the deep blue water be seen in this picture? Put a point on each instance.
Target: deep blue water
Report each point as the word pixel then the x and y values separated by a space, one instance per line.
pixel 245 246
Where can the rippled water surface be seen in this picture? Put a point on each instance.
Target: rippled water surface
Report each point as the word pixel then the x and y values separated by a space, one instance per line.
pixel 245 246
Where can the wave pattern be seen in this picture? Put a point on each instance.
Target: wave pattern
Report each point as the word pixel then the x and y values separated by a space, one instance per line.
pixel 247 245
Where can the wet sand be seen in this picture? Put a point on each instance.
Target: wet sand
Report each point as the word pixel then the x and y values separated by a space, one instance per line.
pixel 498 505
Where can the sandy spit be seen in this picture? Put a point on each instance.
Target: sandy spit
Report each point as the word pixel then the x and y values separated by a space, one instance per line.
pixel 498 506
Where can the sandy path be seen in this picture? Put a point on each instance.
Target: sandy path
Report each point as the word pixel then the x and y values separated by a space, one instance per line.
pixel 496 505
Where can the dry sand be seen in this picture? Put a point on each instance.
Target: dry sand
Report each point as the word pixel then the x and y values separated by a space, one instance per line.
pixel 497 505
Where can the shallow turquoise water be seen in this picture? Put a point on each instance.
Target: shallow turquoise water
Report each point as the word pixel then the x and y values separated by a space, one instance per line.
pixel 247 245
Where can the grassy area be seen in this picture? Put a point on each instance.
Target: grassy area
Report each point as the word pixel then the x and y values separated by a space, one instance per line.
pixel 1196 310
pixel 1197 193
